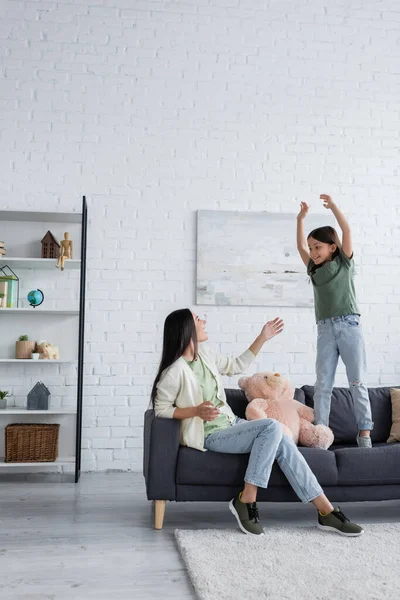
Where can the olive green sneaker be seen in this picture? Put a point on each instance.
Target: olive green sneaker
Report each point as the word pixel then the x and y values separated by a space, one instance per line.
pixel 246 516
pixel 336 521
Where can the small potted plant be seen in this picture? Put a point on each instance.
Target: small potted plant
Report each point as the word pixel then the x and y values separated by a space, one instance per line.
pixel 3 399
pixel 24 347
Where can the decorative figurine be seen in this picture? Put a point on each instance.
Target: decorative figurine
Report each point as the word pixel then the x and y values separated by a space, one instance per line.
pixel 65 251
pixel 38 397
pixel 50 246
pixel 47 350
pixel 35 298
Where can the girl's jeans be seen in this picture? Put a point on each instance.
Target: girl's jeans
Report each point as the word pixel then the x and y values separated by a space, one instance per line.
pixel 265 441
pixel 341 336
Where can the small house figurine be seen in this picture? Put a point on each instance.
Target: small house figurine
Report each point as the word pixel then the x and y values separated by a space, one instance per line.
pixel 38 397
pixel 50 246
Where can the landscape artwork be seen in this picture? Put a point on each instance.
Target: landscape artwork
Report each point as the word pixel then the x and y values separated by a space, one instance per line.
pixel 251 259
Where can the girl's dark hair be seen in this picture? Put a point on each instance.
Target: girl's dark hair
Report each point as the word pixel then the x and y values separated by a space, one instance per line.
pixel 326 235
pixel 179 330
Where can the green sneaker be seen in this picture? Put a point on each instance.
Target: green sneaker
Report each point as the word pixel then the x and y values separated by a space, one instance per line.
pixel 246 516
pixel 336 521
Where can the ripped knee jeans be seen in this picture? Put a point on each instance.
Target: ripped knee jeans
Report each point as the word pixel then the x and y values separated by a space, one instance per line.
pixel 341 336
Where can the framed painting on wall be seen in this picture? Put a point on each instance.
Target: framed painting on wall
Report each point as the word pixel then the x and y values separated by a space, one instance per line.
pixel 251 259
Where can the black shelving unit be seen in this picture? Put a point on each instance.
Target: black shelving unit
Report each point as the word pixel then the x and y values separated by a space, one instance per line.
pixel 76 218
pixel 81 342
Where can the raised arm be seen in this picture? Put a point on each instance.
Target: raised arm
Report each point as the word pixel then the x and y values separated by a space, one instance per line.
pixel 229 365
pixel 302 246
pixel 347 243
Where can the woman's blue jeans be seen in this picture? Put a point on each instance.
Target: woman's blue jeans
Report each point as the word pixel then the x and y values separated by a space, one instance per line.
pixel 341 336
pixel 265 441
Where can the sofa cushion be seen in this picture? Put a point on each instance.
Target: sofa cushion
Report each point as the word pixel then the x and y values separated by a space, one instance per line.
pixel 238 402
pixel 369 466
pixel 214 468
pixel 342 420
pixel 395 429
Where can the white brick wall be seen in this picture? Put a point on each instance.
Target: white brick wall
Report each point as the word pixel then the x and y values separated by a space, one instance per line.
pixel 162 109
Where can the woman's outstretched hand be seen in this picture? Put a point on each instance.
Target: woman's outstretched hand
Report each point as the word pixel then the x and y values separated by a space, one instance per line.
pixel 271 329
pixel 304 208
pixel 207 411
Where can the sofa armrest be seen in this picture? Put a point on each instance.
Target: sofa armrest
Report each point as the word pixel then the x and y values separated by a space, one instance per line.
pixel 160 455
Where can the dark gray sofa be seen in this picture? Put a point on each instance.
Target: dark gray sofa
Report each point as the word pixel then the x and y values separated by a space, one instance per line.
pixel 346 472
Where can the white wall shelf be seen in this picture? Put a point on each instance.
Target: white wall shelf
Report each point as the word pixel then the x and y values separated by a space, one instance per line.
pixel 24 411
pixel 38 311
pixel 60 462
pixel 26 361
pixel 40 217
pixel 37 263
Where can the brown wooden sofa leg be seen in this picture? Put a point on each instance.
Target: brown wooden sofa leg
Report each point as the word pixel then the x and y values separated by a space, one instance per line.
pixel 159 513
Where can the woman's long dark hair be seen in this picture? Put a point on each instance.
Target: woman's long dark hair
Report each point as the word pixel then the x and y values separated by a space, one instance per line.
pixel 326 235
pixel 179 331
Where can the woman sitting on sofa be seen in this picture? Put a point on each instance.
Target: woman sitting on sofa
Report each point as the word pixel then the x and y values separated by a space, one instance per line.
pixel 188 387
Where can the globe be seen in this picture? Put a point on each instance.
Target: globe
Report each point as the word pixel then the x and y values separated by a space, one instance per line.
pixel 35 298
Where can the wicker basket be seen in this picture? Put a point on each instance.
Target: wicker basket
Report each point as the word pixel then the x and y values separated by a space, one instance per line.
pixel 30 442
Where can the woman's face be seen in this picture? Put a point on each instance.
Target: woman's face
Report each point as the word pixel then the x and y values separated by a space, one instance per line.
pixel 200 324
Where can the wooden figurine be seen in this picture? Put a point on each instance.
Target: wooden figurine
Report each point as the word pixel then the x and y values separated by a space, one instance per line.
pixel 50 246
pixel 65 251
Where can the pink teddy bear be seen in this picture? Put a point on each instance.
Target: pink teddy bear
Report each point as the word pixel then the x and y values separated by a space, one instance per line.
pixel 271 395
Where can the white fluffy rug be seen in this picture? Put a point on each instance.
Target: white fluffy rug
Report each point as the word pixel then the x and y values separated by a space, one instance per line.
pixel 292 563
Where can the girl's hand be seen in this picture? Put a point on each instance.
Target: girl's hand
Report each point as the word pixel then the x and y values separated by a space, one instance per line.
pixel 207 411
pixel 327 200
pixel 271 329
pixel 304 208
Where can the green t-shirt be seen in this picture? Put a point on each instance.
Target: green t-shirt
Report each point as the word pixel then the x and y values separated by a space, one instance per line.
pixel 209 391
pixel 334 290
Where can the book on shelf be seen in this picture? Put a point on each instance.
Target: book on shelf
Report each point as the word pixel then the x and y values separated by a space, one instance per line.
pixel 12 283
pixel 3 293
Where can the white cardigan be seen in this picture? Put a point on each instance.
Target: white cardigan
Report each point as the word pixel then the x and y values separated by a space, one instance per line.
pixel 179 388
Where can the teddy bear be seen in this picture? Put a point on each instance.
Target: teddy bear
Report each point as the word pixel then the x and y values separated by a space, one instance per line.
pixel 271 396
pixel 48 351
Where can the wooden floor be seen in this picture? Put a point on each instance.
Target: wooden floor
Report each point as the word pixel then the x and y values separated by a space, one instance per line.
pixel 95 540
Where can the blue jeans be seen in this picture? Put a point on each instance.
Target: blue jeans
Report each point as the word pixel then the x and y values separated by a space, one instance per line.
pixel 265 441
pixel 341 336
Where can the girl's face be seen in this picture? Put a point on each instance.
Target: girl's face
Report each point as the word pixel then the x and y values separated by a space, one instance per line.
pixel 200 324
pixel 319 251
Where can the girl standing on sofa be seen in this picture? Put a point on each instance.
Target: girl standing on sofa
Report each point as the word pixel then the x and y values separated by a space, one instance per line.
pixel 188 387
pixel 330 265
